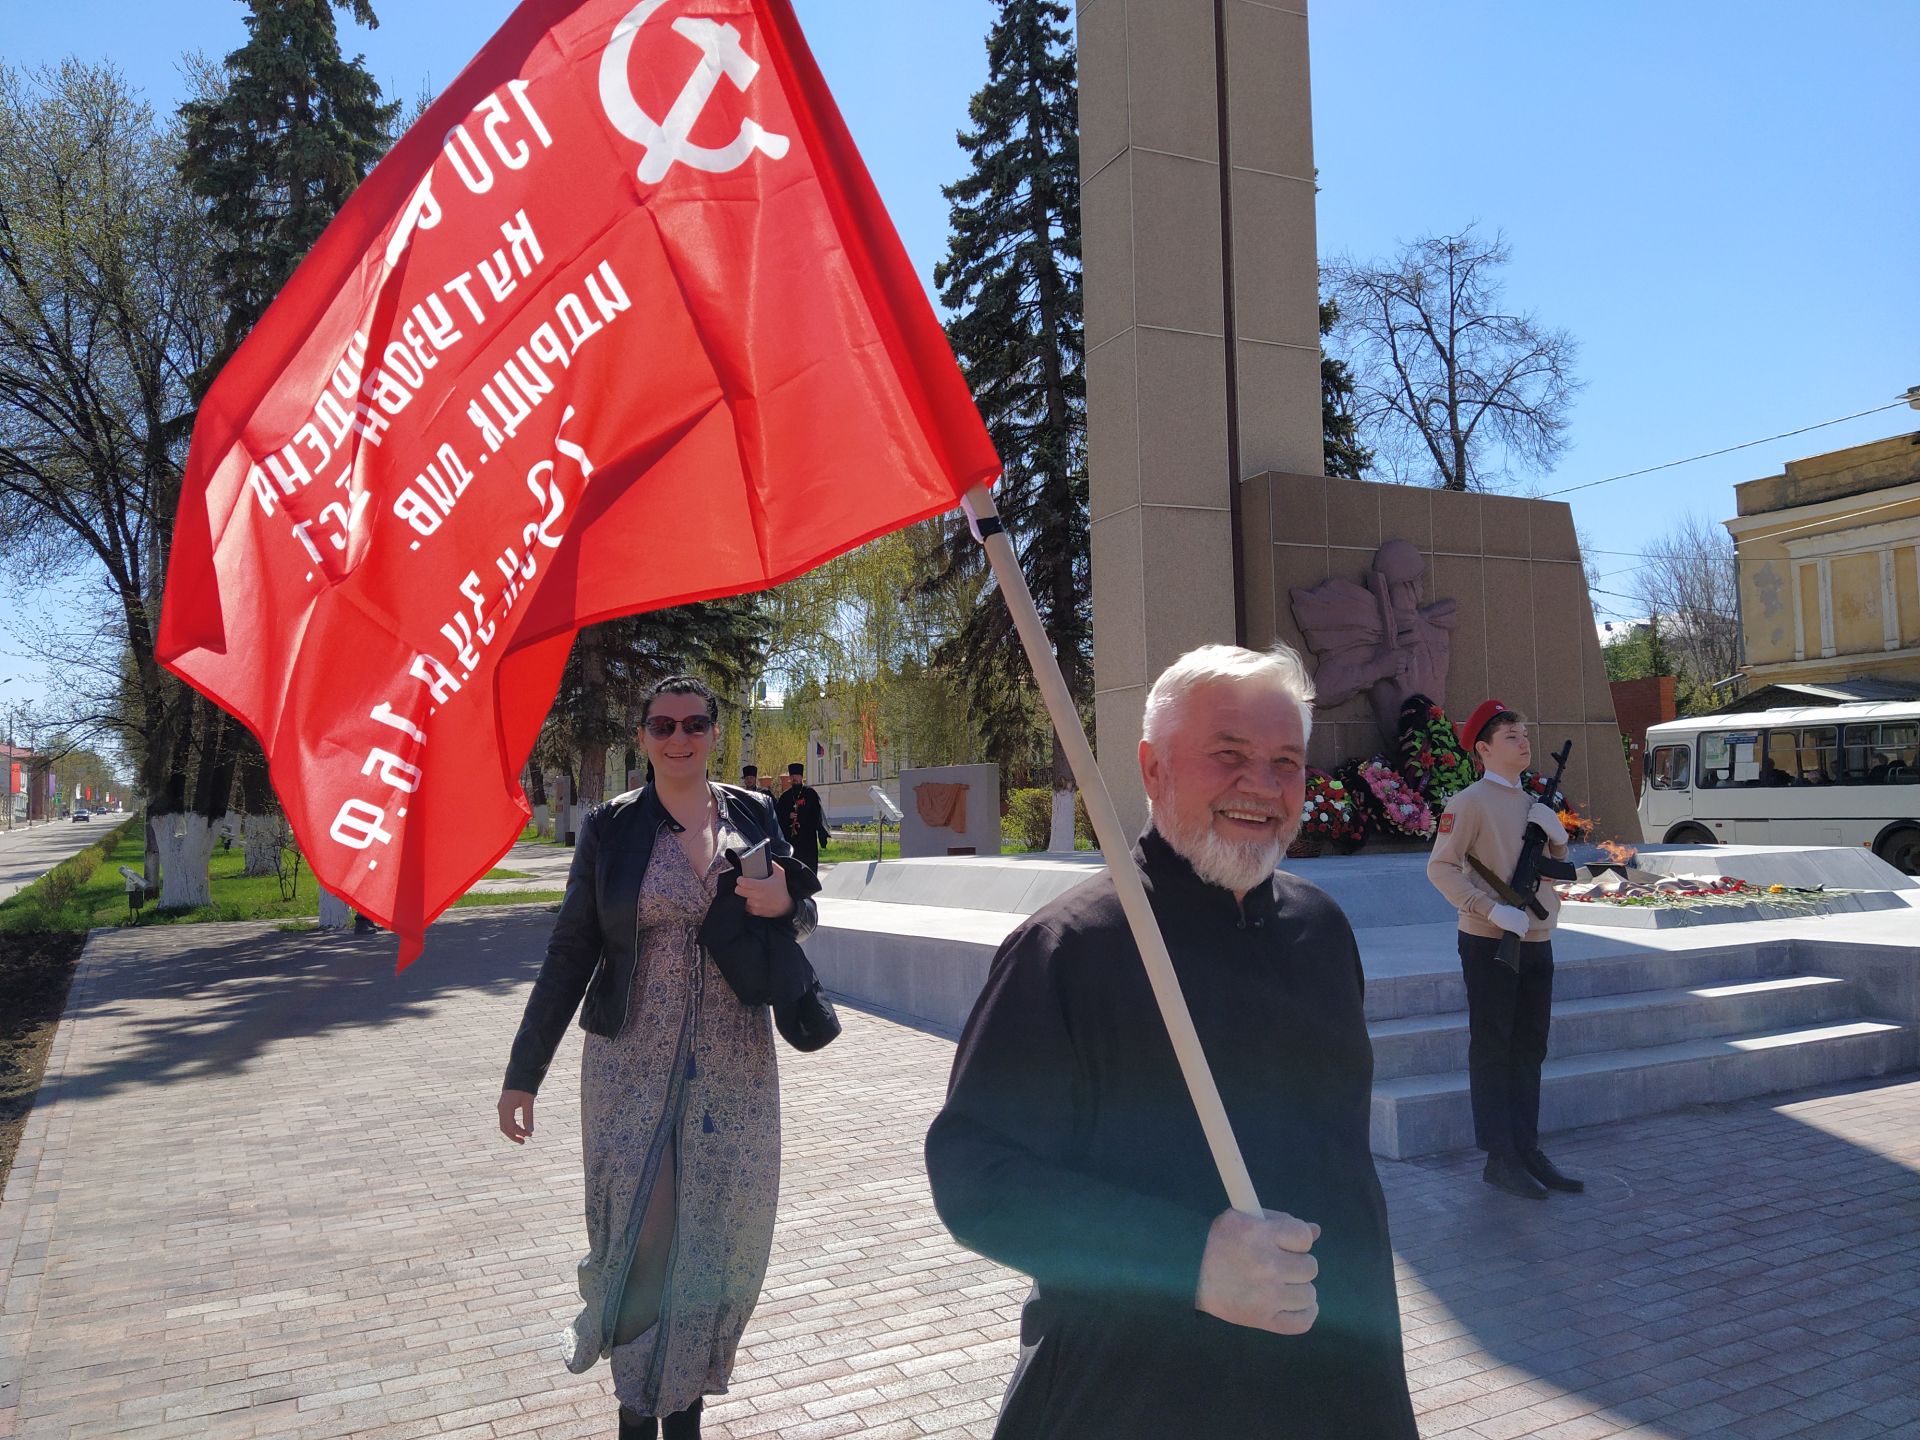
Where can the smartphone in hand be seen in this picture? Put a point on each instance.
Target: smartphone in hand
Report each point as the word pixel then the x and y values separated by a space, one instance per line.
pixel 757 863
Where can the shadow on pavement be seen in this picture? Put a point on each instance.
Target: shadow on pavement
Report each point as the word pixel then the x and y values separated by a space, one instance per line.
pixel 213 997
pixel 1749 1270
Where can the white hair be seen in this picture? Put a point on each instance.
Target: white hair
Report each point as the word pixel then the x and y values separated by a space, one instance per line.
pixel 1209 664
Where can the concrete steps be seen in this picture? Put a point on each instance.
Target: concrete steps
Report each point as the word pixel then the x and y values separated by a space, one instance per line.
pixel 1609 971
pixel 1432 1044
pixel 1644 1020
pixel 1634 1035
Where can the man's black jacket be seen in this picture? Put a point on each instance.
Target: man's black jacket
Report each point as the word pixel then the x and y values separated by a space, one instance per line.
pixel 593 948
pixel 1069 1149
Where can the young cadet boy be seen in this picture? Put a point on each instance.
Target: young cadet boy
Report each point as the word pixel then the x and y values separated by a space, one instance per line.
pixel 1508 1010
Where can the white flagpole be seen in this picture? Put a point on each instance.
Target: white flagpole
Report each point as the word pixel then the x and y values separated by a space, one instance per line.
pixel 1118 850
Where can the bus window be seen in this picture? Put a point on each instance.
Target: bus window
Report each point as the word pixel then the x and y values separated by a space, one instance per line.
pixel 1782 763
pixel 1729 759
pixel 1667 767
pixel 1857 755
pixel 1819 755
pixel 1900 743
pixel 1884 753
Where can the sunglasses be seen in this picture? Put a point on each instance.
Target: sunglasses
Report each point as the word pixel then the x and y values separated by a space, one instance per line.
pixel 660 727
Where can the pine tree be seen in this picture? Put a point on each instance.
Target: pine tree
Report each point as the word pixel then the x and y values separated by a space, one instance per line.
pixel 279 138
pixel 277 151
pixel 1345 457
pixel 1011 277
pixel 614 663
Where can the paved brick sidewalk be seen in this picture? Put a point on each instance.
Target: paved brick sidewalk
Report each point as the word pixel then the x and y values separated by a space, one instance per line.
pixel 263 1196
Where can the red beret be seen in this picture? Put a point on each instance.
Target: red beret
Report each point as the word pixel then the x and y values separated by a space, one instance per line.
pixel 1477 722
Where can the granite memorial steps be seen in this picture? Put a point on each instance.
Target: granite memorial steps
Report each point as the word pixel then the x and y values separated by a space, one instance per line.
pixel 1645 1021
pixel 1427 1114
pixel 1636 1031
pixel 1428 1044
pixel 1587 964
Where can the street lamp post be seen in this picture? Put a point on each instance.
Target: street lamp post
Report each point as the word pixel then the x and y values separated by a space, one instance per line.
pixel 10 762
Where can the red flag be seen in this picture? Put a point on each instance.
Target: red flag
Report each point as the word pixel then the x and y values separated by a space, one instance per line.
pixel 620 323
pixel 869 750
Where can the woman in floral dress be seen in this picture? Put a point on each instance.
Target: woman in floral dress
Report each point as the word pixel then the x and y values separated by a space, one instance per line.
pixel 679 1094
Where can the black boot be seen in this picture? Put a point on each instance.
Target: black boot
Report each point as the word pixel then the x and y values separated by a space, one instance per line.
pixel 637 1427
pixel 1549 1174
pixel 683 1424
pixel 1505 1172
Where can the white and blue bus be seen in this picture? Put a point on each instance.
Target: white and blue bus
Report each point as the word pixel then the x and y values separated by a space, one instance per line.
pixel 1825 775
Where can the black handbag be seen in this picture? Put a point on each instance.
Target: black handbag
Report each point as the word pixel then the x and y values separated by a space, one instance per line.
pixel 763 963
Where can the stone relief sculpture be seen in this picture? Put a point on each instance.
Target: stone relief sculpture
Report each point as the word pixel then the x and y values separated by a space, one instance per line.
pixel 1377 637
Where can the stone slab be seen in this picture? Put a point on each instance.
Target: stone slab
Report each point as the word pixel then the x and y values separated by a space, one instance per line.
pixel 1806 867
pixel 1729 912
pixel 875 915
pixel 1013 884
pixel 981 811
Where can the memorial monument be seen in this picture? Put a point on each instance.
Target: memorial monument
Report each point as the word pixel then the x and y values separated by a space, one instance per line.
pixel 1212 521
pixel 1208 501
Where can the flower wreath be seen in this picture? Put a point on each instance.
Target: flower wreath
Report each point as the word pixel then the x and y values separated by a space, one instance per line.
pixel 1431 757
pixel 1331 812
pixel 1395 805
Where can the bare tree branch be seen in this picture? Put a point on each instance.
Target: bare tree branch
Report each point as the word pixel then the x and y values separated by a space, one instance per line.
pixel 1689 581
pixel 1449 388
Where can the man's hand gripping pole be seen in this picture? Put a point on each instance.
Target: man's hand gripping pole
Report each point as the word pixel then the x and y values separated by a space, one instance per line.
pixel 984 521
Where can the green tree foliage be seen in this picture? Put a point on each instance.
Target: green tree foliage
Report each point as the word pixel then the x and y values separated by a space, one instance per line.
pixel 277 148
pixel 1011 278
pixel 1642 651
pixel 274 146
pixel 613 664
pixel 1345 457
pixel 851 640
pixel 106 274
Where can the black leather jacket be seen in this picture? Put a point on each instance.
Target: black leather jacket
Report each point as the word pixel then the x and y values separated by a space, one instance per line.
pixel 594 944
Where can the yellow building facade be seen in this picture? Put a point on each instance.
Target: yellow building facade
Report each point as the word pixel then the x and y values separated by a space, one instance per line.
pixel 1828 554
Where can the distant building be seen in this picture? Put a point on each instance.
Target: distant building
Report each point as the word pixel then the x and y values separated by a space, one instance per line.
pixel 1639 704
pixel 20 769
pixel 1829 568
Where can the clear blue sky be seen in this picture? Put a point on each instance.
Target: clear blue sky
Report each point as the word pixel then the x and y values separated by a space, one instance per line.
pixel 1720 200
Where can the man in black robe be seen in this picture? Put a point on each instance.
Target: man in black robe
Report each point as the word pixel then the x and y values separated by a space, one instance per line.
pixel 1069 1148
pixel 803 819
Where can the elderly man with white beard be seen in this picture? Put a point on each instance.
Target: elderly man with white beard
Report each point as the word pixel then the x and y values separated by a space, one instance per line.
pixel 1068 1147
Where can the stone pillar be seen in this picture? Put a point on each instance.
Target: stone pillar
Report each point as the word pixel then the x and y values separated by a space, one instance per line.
pixel 1202 326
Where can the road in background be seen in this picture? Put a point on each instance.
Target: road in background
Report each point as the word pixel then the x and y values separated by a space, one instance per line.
pixel 29 852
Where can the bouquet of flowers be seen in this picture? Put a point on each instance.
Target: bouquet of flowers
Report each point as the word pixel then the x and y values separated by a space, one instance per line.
pixel 1329 817
pixel 1395 806
pixel 1430 755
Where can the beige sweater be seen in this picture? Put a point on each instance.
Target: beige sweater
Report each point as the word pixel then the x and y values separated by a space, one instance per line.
pixel 1488 820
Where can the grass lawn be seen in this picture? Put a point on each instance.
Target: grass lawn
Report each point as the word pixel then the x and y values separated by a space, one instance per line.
pixel 101 899
pixel 856 845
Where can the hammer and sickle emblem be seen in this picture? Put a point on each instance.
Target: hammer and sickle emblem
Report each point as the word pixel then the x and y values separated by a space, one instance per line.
pixel 665 140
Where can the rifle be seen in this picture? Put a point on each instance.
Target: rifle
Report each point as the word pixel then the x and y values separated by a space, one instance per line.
pixel 1534 863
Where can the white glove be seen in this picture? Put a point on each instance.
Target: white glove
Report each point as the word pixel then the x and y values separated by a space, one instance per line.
pixel 1511 918
pixel 1548 822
